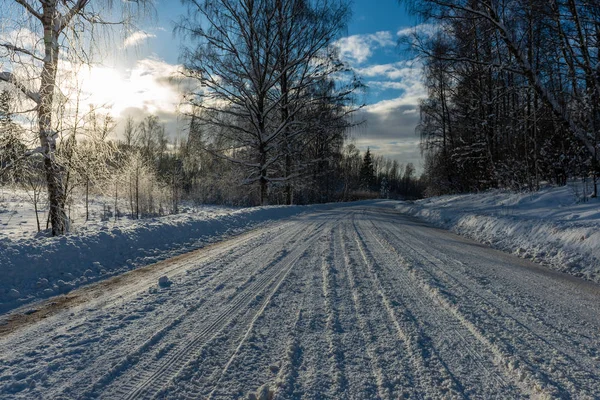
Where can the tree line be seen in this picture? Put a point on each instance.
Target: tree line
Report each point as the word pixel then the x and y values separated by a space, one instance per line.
pixel 144 173
pixel 512 92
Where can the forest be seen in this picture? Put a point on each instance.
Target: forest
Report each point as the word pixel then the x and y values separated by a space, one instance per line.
pixel 512 93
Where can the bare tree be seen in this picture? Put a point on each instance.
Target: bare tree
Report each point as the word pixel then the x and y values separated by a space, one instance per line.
pixel 258 63
pixel 129 132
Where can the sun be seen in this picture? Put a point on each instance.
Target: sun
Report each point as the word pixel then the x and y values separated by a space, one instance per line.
pixel 105 87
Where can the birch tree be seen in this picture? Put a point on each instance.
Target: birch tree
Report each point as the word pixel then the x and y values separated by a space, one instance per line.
pixel 39 39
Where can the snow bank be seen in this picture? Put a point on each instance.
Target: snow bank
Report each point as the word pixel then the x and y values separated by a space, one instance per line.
pixel 549 226
pixel 34 268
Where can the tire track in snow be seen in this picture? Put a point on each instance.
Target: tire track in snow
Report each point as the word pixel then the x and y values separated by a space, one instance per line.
pixel 315 378
pixel 371 331
pixel 513 299
pixel 424 358
pixel 151 381
pixel 177 361
pixel 171 361
pixel 523 377
pixel 288 374
pixel 261 353
pixel 514 341
pixel 288 269
pixel 297 353
pixel 329 288
pixel 359 380
pixel 204 263
pixel 428 316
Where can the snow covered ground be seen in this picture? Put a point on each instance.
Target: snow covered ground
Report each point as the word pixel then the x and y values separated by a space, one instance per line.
pixel 34 267
pixel 18 221
pixel 355 302
pixel 551 226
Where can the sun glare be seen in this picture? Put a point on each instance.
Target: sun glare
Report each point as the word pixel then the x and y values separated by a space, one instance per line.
pixel 143 87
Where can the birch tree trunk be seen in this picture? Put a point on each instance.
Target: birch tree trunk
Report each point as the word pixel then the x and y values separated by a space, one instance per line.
pixel 54 171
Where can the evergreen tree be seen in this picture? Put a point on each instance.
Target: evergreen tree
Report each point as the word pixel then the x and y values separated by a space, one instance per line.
pixel 367 172
pixel 5 115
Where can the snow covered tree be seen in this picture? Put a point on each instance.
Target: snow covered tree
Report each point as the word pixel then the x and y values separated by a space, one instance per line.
pixel 512 91
pixel 12 148
pixel 384 189
pixel 43 38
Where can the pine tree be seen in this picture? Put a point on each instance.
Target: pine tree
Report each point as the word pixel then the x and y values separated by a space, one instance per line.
pixel 367 172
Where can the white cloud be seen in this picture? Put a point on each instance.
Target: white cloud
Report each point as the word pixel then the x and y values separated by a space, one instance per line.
pixel 150 87
pixel 385 108
pixel 390 123
pixel 421 29
pixel 394 85
pixel 405 76
pixel 136 38
pixel 393 71
pixel 358 48
pixel 390 130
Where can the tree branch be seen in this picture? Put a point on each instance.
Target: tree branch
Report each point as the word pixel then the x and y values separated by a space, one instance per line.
pixel 29 8
pixel 16 49
pixel 76 9
pixel 9 77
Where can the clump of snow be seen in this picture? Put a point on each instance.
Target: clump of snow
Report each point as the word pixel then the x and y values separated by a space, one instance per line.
pixel 550 226
pixel 164 282
pixel 263 393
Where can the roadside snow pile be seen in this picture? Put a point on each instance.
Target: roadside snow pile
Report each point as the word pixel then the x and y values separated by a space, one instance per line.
pixel 33 268
pixel 549 226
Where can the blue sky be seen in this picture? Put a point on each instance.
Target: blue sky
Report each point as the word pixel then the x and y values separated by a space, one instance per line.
pixel 370 46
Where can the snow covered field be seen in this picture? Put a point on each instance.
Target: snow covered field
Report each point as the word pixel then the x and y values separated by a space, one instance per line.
pixel 353 302
pixel 550 226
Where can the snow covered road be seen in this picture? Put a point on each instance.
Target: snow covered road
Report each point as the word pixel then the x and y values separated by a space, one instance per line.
pixel 356 302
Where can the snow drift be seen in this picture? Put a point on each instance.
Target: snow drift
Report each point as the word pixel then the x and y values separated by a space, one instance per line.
pixel 34 268
pixel 551 226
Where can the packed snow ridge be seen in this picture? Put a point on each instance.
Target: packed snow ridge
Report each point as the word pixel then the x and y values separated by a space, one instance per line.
pixel 552 226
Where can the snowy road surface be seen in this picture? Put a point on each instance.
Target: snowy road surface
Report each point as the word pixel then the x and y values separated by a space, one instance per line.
pixel 356 302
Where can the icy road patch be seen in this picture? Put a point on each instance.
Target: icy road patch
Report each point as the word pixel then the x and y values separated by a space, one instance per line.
pixel 358 302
